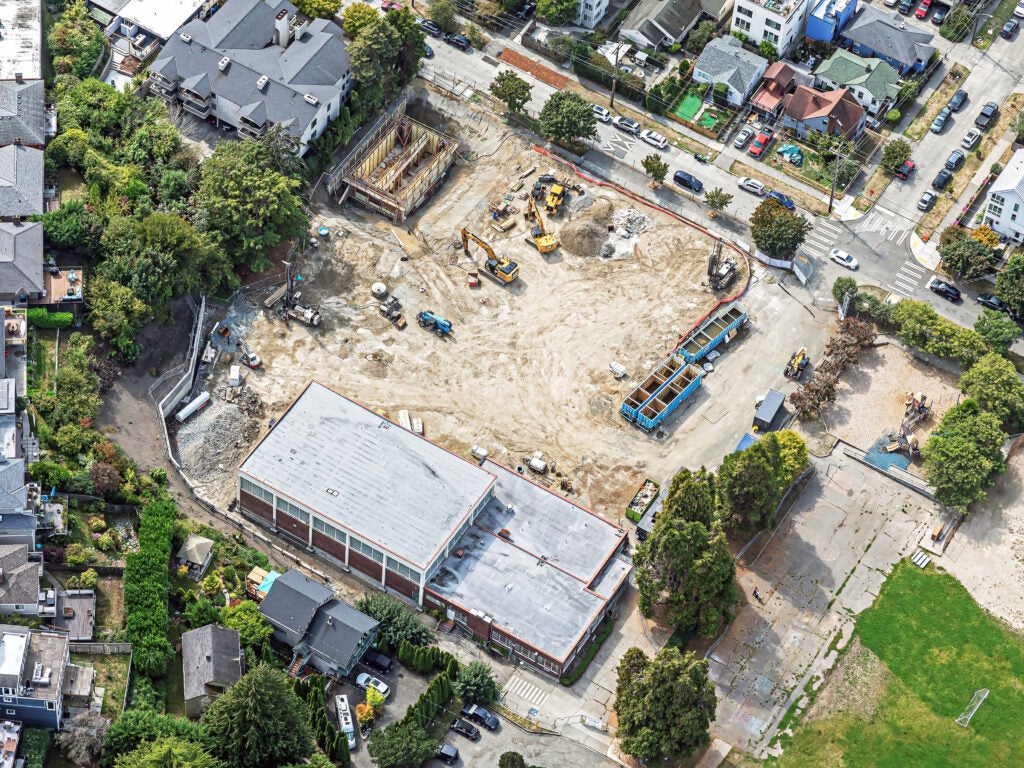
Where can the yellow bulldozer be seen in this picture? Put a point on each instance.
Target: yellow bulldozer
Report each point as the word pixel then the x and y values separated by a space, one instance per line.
pixel 499 268
pixel 539 237
pixel 555 197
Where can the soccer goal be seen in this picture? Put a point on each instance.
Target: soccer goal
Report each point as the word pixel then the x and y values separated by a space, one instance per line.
pixel 965 718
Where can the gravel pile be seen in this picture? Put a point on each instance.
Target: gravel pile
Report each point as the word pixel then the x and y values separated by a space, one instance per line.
pixel 214 440
pixel 631 220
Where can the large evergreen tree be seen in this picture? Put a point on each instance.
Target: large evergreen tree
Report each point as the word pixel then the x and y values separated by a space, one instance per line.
pixel 168 752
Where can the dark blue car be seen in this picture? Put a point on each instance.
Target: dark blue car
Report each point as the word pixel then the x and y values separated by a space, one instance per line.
pixel 787 202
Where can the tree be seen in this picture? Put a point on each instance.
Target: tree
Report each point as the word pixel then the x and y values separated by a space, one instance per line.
pixel 444 14
pixel 251 208
pixel 356 17
pixel 411 45
pixel 167 752
pixel 958 24
pixel 792 455
pixel 1017 125
pixel 993 383
pixel 998 330
pixel 401 745
pixel 895 153
pixel 258 722
pixel 373 53
pixel 116 314
pixel 701 35
pixel 963 454
pixel 1010 283
pixel 966 257
pixel 89 579
pixel 768 50
pixel 566 116
pixel 843 286
pixel 511 760
pixel 986 235
pixel 558 12
pixel 319 9
pixel 776 231
pixel 750 486
pixel 75 42
pixel 655 167
pixel 692 497
pixel 73 227
pixel 375 701
pixel 511 89
pixel 396 622
pixel 253 628
pixel 665 705
pixel 908 91
pixel 201 612
pixel 893 116
pixel 137 726
pixel 916 320
pixel 685 568
pixel 717 199
pixel 476 683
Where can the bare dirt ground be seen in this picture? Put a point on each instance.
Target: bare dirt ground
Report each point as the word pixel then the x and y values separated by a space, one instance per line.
pixel 987 551
pixel 526 368
pixel 853 687
pixel 871 396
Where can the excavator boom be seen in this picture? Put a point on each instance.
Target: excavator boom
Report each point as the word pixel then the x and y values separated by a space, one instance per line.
pixel 539 237
pixel 497 266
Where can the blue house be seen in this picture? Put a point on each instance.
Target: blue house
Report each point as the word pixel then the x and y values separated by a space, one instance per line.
pixel 32 670
pixel 828 18
pixel 887 37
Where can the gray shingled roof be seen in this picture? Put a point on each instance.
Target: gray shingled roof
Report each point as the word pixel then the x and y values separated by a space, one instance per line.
pixel 725 61
pixel 13 493
pixel 20 585
pixel 22 111
pixel 337 632
pixel 316 64
pixel 21 258
pixel 887 34
pixel 21 180
pixel 293 600
pixel 195 549
pixel 209 654
pixel 667 17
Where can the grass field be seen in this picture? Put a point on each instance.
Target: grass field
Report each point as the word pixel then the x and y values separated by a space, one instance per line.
pixel 940 648
pixel 688 106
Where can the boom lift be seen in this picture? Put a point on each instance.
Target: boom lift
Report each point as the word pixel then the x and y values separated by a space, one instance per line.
pixel 539 237
pixel 501 268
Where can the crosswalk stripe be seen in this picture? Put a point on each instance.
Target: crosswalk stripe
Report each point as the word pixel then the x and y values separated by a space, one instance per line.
pixel 526 690
pixel 903 236
pixel 897 290
pixel 904 284
pixel 913 268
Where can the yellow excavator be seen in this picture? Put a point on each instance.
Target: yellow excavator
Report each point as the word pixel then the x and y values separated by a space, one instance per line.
pixel 555 198
pixel 539 237
pixel 499 268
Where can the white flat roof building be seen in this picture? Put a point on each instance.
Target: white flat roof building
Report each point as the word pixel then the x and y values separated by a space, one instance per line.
pixel 160 17
pixel 780 22
pixel 21 39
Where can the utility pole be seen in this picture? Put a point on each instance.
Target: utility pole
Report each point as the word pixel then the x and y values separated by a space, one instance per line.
pixel 615 73
pixel 835 173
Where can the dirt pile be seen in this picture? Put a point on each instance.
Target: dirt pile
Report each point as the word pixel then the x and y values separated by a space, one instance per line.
pixel 585 236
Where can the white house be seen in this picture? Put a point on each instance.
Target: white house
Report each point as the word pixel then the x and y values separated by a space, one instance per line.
pixel 1006 198
pixel 724 60
pixel 590 12
pixel 780 22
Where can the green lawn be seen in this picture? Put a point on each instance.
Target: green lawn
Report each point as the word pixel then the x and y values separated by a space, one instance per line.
pixel 111 674
pixel 989 29
pixel 688 106
pixel 941 647
pixel 175 687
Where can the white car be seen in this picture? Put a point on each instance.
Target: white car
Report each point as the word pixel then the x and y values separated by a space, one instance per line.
pixel 654 138
pixel 601 113
pixel 753 185
pixel 970 138
pixel 365 681
pixel 842 258
pixel 1019 10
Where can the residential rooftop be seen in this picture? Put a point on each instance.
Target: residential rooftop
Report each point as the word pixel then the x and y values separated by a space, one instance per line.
pixel 21 182
pixel 364 473
pixel 32 661
pixel 22 44
pixel 210 654
pixel 1011 179
pixel 22 111
pixel 161 17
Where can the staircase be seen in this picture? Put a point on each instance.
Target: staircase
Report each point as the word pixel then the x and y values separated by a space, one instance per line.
pixel 298 662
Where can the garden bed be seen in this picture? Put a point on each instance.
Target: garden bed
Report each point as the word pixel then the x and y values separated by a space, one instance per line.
pixel 111 675
pixel 805 201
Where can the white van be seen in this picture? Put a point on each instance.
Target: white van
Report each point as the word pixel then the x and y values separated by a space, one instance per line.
pixel 345 720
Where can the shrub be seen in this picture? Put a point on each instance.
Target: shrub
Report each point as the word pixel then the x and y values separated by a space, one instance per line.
pixel 35 743
pixel 40 318
pixel 89 579
pixel 146 583
pixel 76 556
pixel 97 524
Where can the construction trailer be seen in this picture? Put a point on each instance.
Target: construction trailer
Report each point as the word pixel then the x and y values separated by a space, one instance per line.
pixel 768 409
pixel 395 168
pixel 718 327
pixel 661 393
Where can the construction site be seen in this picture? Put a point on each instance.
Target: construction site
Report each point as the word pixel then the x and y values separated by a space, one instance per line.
pixel 514 309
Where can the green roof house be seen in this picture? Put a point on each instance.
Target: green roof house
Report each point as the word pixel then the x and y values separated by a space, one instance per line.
pixel 872 82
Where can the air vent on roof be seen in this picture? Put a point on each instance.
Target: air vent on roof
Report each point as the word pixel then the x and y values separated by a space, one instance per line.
pixel 186 37
pixel 310 99
pixel 223 63
pixel 262 83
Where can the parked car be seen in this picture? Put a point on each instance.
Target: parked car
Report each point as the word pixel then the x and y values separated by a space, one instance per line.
pixel 378 661
pixel 753 185
pixel 955 160
pixel 465 728
pixel 958 100
pixel 431 28
pixel 989 301
pixel 654 138
pixel 626 125
pixel 447 754
pixel 987 115
pixel 746 134
pixel 764 138
pixel 970 138
pixel 227 127
pixel 944 289
pixel 906 170
pixel 366 681
pixel 688 181
pixel 390 5
pixel 843 259
pixel 1019 10
pixel 428 52
pixel 787 203
pixel 601 113
pixel 459 41
pixel 923 8
pixel 940 120
pixel 480 715
pixel 942 179
pixel 1009 29
pixel 927 200
pixel 938 17
pixel 526 11
pixel 905 6
pixel 890 3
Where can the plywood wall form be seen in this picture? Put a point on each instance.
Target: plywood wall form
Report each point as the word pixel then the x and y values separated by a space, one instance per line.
pixel 397 167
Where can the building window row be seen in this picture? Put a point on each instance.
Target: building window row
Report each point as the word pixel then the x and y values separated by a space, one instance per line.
pixel 741 24
pixel 772 24
pixel 366 549
pixel 328 530
pixel 403 570
pixel 254 490
pixel 283 505
pixel 742 11
pixel 771 37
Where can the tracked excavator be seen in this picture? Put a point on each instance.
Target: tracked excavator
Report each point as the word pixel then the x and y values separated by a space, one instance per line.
pixel 539 237
pixel 500 268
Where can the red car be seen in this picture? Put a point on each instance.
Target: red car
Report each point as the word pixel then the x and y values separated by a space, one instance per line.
pixel 390 5
pixel 760 143
pixel 923 8
pixel 904 171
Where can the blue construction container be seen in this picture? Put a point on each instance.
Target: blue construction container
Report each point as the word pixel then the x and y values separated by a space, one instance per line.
pixel 712 332
pixel 660 406
pixel 652 385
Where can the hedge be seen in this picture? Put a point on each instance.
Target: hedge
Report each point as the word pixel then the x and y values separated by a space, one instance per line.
pixel 589 654
pixel 40 318
pixel 146 585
